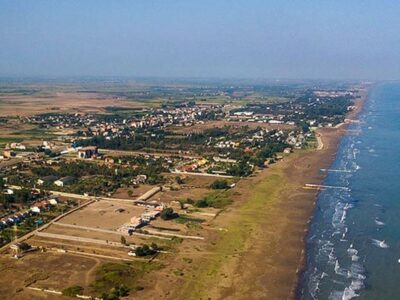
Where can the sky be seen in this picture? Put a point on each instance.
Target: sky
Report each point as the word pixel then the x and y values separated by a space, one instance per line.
pixel 293 39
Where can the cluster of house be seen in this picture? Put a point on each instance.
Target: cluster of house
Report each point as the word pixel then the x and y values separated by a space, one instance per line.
pixel 61 121
pixel 8 154
pixel 10 151
pixel 35 208
pixel 293 138
pixel 146 217
pixel 60 182
pixel 227 144
pixel 88 152
pixel 192 165
pixel 297 140
pixel 333 93
pixel 17 146
pixel 163 117
pixel 250 116
pixel 91 125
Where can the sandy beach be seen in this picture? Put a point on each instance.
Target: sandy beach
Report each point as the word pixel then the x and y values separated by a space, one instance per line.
pixel 256 247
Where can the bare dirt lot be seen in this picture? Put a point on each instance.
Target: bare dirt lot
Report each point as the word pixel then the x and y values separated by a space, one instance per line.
pixel 51 270
pixel 136 192
pixel 103 214
pixel 73 102
pixel 193 187
pixel 193 180
pixel 182 194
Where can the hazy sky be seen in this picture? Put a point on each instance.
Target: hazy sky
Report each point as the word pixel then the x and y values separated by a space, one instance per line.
pixel 201 38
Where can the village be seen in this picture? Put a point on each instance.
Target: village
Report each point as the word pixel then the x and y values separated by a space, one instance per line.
pixel 131 185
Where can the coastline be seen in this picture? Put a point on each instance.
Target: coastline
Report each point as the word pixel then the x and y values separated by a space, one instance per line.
pixel 351 117
pixel 257 245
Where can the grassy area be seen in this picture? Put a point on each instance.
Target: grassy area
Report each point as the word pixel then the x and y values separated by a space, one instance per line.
pixel 4 140
pixel 233 240
pixel 216 199
pixel 39 133
pixel 114 278
pixel 185 219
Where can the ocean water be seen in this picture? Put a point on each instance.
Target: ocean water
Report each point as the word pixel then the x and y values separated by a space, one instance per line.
pixel 353 244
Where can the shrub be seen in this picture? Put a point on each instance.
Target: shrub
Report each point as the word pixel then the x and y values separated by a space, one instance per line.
pixel 168 214
pixel 72 291
pixel 220 185
pixel 145 250
pixel 25 246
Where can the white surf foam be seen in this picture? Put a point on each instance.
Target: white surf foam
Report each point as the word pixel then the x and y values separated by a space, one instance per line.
pixel 380 244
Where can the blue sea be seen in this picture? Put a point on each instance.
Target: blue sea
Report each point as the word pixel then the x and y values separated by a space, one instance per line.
pixel 353 243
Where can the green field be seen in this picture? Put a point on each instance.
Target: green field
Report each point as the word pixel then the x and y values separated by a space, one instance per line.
pixel 233 240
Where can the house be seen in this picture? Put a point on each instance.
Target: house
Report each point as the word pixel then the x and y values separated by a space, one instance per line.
pixel 48 145
pixel 135 222
pixel 46 179
pixel 17 146
pixel 287 150
pixel 40 206
pixel 64 181
pixel 9 192
pixel 87 152
pixel 35 209
pixel 9 153
pixel 53 201
pixel 109 160
pixel 141 178
pixel 150 215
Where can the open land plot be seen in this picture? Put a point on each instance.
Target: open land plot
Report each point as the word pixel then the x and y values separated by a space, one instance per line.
pixel 72 102
pixel 51 270
pixel 122 193
pixel 103 214
pixel 182 194
pixel 29 134
pixel 62 229
pixel 58 271
pixel 194 187
pixel 192 180
pixel 83 248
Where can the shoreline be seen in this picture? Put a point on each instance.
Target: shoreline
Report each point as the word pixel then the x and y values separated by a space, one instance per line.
pixel 351 117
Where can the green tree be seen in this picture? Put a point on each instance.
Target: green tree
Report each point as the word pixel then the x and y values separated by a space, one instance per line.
pixel 219 185
pixel 167 214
